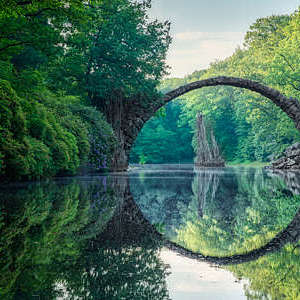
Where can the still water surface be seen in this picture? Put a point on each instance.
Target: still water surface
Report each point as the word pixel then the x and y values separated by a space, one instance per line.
pixel 156 232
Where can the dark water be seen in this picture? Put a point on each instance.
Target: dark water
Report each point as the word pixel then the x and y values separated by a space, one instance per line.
pixel 158 232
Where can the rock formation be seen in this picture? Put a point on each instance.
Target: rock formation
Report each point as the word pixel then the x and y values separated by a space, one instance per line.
pixel 208 155
pixel 290 159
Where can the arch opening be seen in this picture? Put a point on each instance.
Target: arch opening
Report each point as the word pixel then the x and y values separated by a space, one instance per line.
pixel 290 106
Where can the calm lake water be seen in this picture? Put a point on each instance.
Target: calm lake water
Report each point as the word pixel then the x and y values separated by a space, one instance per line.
pixel 156 232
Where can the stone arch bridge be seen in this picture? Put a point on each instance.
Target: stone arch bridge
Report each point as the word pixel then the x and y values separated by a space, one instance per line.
pixel 135 114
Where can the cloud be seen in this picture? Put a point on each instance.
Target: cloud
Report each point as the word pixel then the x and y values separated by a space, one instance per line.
pixel 198 35
pixel 192 51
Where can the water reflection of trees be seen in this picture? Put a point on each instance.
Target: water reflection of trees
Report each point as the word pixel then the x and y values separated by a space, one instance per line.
pixel 260 217
pixel 43 229
pixel 240 211
pixel 274 276
pixel 251 213
pixel 110 272
pixel 50 245
pixel 263 204
pixel 122 262
pixel 89 239
pixel 205 185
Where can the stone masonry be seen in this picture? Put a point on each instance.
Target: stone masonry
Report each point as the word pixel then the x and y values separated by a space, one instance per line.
pixel 289 160
pixel 136 113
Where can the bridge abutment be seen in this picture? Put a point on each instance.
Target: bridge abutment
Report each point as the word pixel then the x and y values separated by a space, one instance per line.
pixel 120 158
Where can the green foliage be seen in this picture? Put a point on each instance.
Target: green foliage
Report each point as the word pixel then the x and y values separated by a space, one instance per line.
pixel 247 126
pixel 42 137
pixel 117 54
pixel 275 275
pixel 164 139
pixel 36 25
pixel 102 141
pixel 12 126
pixel 44 228
pixel 108 53
pixel 142 159
pixel 56 59
pixel 259 209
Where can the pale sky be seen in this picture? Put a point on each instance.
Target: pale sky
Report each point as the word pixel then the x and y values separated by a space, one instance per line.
pixel 207 30
pixel 195 280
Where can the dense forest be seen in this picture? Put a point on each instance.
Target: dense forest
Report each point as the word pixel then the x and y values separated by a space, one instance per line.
pixel 68 67
pixel 247 126
pixel 64 66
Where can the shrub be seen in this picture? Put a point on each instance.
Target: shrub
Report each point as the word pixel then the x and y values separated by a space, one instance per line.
pixel 46 135
pixel 101 136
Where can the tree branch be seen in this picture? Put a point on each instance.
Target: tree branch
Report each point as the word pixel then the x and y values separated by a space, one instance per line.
pixel 14 45
pixel 287 62
pixel 38 12
pixel 24 2
pixel 294 86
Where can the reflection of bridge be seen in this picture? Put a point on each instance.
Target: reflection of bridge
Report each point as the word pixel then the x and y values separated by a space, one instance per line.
pixel 135 113
pixel 290 234
pixel 129 227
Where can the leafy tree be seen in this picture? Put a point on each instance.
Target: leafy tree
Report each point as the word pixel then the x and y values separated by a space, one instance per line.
pixel 164 139
pixel 44 133
pixel 116 56
pixel 43 139
pixel 36 26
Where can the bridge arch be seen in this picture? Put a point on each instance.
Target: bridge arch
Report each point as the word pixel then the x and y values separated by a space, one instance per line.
pixel 138 114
